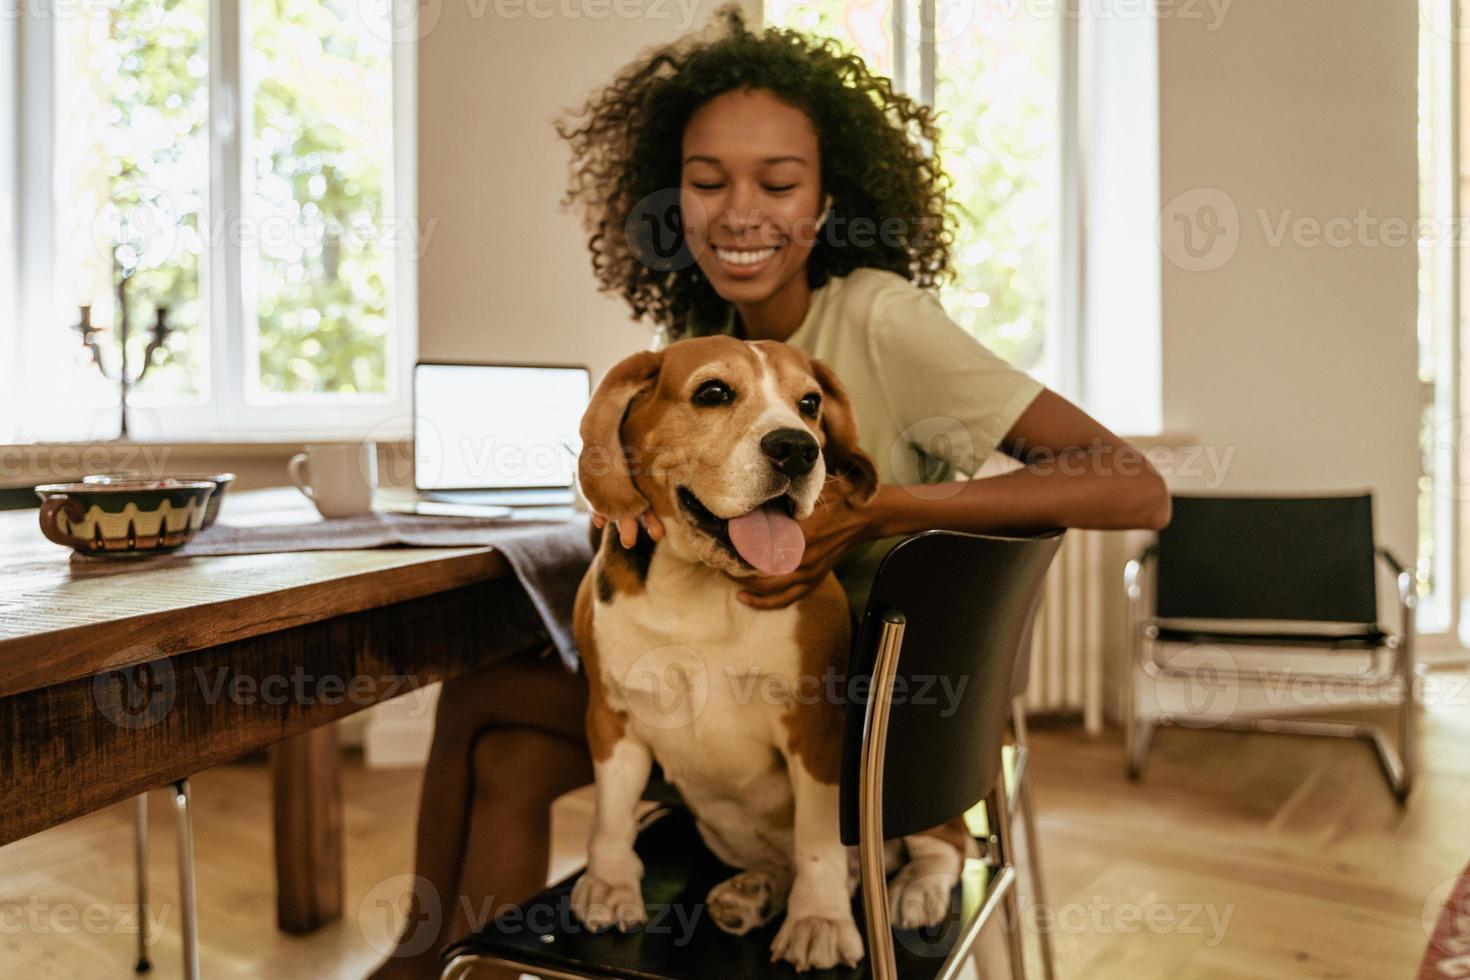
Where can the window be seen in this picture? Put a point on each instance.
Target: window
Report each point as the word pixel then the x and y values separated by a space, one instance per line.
pixel 1442 495
pixel 225 170
pixel 10 400
pixel 999 76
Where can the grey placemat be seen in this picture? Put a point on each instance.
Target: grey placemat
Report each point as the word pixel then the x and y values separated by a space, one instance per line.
pixel 376 530
pixel 548 556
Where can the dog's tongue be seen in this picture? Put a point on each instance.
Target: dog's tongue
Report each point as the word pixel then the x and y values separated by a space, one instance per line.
pixel 768 539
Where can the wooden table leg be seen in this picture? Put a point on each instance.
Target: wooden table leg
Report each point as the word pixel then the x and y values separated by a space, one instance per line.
pixel 308 803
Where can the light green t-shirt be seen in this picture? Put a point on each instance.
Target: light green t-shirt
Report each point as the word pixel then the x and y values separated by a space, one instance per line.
pixel 932 402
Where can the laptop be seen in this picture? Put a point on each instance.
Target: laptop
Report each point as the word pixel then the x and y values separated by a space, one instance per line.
pixel 496 436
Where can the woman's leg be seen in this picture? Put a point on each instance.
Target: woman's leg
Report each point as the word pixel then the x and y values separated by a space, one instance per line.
pixel 508 741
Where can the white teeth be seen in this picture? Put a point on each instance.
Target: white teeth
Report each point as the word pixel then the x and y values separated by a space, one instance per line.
pixel 744 256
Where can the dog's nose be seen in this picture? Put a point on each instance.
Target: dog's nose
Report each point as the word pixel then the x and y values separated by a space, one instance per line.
pixel 793 451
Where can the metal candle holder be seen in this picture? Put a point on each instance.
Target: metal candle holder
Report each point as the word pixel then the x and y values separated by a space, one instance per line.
pixel 125 383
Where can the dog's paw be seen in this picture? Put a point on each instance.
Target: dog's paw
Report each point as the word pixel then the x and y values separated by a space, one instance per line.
pixel 748 900
pixel 600 905
pixel 919 897
pixel 815 943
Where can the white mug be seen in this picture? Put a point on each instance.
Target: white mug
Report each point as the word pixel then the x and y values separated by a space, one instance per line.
pixel 339 478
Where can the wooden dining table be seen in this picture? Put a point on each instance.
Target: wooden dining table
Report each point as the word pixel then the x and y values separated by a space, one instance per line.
pixel 121 676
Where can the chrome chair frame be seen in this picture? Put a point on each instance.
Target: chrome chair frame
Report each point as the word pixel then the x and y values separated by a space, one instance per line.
pixel 140 878
pixel 187 896
pixel 1399 766
pixel 463 965
pixel 1018 798
pixel 1000 891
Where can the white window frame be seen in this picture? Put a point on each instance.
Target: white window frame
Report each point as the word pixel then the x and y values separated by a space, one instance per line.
pixel 1061 359
pixel 1061 363
pixel 228 411
pixel 10 401
pixel 1444 619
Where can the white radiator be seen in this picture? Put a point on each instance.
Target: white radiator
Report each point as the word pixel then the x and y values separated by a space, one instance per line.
pixel 1069 637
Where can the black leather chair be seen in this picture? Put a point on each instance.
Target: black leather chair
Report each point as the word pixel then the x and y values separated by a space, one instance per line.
pixel 1242 572
pixel 944 604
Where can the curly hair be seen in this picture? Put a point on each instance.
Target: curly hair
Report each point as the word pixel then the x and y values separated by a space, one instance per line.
pixel 876 151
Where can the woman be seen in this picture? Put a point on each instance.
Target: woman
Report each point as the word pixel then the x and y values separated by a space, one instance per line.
pixel 769 186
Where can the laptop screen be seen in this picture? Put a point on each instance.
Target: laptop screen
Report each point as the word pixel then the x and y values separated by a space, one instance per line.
pixel 496 426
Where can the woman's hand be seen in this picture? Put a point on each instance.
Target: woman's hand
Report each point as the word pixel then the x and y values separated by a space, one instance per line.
pixel 834 527
pixel 628 527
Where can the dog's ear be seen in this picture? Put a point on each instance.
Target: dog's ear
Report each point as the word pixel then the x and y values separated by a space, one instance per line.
pixel 844 459
pixel 603 467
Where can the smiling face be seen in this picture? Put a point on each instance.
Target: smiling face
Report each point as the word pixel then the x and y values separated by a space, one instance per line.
pixel 727 443
pixel 750 192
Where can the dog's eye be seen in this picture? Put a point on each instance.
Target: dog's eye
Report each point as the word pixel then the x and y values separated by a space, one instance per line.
pixel 714 393
pixel 809 404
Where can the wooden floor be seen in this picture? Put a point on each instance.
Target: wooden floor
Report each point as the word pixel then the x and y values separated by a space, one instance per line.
pixel 1239 857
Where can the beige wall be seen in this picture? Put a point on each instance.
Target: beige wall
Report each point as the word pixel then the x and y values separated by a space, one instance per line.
pixel 506 273
pixel 256 465
pixel 1300 356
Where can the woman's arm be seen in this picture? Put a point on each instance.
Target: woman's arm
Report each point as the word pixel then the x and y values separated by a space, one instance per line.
pixel 1076 474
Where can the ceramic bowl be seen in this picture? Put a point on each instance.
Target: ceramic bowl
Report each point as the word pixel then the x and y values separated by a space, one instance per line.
pixel 124 518
pixel 221 483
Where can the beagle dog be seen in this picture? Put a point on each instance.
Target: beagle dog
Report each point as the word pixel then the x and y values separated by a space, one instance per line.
pixel 731 444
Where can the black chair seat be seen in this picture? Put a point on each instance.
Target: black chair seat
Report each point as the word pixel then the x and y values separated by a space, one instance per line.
pixel 1369 639
pixel 679 942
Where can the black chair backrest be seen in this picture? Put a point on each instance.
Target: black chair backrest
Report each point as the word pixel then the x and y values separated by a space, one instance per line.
pixel 967 600
pixel 1283 558
pixel 1021 675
